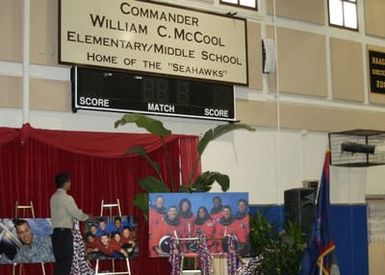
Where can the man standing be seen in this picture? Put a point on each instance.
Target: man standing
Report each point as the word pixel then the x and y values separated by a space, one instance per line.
pixel 63 212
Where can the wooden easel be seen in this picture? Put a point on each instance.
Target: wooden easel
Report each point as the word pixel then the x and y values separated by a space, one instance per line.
pixel 112 206
pixel 24 208
pixel 185 256
pixel 192 255
pixel 219 264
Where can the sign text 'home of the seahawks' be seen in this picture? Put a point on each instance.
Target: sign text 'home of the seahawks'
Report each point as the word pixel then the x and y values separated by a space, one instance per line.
pixel 160 39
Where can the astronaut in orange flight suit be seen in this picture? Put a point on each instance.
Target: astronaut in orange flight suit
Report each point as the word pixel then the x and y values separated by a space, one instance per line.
pixel 156 214
pixel 157 211
pixel 186 217
pixel 169 226
pixel 228 225
pixel 243 220
pixel 204 224
pixel 216 211
pixel 242 217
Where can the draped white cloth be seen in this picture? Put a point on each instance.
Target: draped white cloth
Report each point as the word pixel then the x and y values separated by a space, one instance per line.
pixel 80 265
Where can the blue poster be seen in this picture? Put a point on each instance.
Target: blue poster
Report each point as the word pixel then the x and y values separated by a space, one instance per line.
pixel 25 241
pixel 111 238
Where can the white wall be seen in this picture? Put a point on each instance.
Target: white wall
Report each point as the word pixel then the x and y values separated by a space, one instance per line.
pixel 252 160
pixel 348 185
pixel 265 163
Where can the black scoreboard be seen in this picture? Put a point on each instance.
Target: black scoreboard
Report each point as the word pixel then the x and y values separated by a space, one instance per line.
pixel 377 71
pixel 102 90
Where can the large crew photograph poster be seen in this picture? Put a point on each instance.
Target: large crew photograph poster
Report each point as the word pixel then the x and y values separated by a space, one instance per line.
pixel 187 215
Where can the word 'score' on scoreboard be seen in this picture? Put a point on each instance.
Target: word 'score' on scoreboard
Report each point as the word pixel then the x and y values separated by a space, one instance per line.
pixel 102 90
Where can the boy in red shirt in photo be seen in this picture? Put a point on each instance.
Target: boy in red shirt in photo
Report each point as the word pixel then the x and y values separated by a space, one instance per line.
pixel 128 240
pixel 92 246
pixel 111 248
pixel 127 236
pixel 117 237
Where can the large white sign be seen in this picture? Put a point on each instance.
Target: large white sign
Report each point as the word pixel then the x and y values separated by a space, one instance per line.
pixel 155 38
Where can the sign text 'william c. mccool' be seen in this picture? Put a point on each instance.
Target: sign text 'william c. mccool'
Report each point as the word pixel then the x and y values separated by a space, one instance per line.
pixel 154 38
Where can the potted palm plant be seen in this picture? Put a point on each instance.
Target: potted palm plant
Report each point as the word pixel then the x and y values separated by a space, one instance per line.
pixel 275 251
pixel 201 183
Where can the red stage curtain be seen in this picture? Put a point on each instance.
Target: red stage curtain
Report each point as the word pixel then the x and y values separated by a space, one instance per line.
pixel 29 159
pixel 7 135
pixel 92 143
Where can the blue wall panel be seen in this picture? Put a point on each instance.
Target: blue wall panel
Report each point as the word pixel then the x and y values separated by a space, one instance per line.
pixel 274 213
pixel 348 229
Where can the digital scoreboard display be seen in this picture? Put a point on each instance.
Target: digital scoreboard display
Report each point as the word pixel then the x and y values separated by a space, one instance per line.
pixel 102 90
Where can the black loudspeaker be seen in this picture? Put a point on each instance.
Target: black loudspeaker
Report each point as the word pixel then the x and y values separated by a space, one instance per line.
pixel 300 207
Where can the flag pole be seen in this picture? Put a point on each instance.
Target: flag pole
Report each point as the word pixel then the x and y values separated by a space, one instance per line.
pixel 321 265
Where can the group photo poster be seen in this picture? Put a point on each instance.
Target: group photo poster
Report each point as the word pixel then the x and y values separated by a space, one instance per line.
pixel 187 215
pixel 25 241
pixel 111 238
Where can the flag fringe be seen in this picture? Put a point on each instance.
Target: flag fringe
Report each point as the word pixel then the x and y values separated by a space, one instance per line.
pixel 325 251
